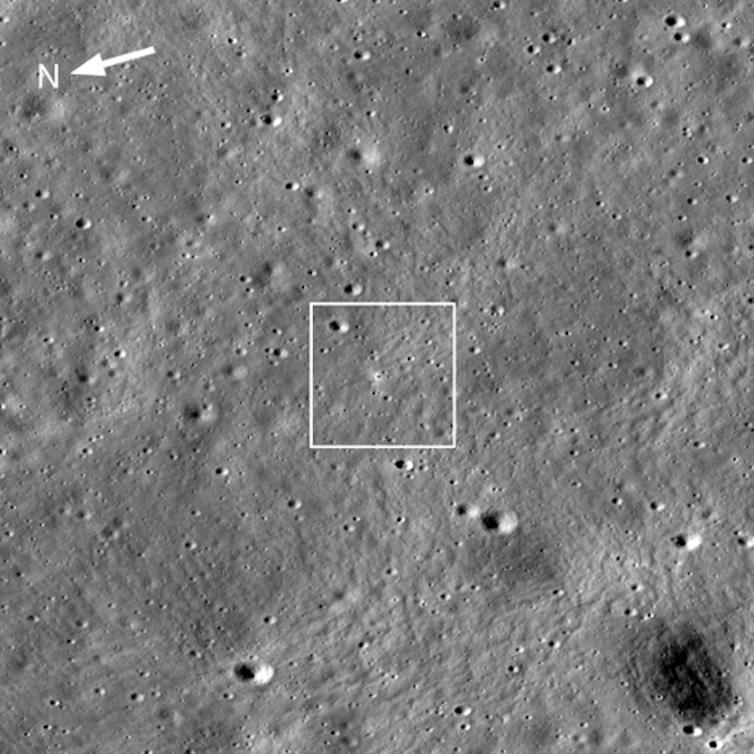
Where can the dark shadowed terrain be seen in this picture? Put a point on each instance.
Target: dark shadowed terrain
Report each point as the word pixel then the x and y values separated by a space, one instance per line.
pixel 187 565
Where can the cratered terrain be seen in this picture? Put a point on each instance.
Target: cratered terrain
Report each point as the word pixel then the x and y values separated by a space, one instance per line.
pixel 375 376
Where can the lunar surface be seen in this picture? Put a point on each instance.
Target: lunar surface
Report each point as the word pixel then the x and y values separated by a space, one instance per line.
pixel 375 376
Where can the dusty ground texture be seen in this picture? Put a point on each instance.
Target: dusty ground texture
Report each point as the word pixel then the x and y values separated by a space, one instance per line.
pixel 182 573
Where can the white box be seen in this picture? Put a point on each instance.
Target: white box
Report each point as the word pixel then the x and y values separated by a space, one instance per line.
pixel 339 304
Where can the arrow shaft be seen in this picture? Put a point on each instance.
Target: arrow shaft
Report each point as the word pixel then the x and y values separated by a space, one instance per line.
pixel 128 56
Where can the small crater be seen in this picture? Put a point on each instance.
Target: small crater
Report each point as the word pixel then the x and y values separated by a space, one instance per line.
pixel 200 413
pixel 339 325
pixel 473 160
pixel 258 673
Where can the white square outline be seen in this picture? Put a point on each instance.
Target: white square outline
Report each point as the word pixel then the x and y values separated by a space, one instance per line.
pixel 454 391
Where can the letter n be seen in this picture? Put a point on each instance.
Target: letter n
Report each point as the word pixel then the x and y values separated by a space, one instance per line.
pixel 52 79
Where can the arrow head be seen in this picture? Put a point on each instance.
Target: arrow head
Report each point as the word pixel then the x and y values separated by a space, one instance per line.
pixel 92 67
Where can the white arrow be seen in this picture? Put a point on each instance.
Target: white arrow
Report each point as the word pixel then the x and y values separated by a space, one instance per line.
pixel 96 66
